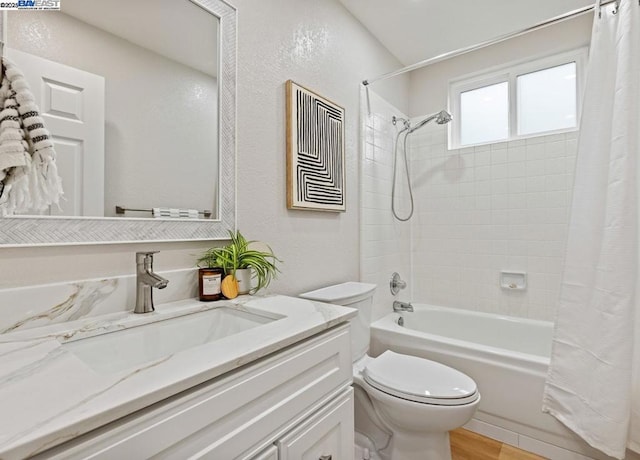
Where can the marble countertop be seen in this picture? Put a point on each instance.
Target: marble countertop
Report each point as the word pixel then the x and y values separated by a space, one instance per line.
pixel 48 395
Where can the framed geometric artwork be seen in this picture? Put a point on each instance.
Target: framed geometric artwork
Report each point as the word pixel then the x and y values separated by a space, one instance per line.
pixel 315 151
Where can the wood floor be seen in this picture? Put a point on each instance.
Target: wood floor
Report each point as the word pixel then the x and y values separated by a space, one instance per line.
pixel 466 445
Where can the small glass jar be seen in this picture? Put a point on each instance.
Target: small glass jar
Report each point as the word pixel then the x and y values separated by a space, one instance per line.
pixel 209 280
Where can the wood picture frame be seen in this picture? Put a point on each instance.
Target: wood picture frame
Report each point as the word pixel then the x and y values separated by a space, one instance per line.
pixel 316 179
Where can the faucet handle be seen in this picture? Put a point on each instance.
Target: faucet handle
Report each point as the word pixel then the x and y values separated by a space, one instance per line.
pixel 396 283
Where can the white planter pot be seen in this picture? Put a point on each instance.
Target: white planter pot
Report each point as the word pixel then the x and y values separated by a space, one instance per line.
pixel 243 275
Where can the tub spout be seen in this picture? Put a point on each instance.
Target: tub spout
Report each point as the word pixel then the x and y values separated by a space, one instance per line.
pixel 402 306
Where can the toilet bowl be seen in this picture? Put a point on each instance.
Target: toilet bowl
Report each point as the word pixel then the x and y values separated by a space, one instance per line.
pixel 415 400
pixel 419 400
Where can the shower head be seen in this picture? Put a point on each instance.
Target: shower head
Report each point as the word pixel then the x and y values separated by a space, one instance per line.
pixel 441 118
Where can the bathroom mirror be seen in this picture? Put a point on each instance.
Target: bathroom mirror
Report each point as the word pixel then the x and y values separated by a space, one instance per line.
pixel 161 74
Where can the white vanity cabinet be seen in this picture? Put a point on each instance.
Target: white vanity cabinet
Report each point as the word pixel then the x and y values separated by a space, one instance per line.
pixel 294 404
pixel 327 435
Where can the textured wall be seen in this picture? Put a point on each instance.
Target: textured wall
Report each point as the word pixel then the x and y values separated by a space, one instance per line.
pixel 317 44
pixel 320 46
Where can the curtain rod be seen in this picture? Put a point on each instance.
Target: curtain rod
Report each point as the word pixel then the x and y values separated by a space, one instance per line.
pixel 468 49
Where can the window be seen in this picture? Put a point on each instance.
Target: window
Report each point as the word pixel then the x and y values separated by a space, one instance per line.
pixel 524 100
pixel 484 114
pixel 547 99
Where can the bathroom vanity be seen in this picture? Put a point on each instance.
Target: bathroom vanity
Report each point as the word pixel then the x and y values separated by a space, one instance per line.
pixel 256 378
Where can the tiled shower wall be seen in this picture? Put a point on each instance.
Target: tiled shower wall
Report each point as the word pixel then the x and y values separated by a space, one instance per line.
pixel 385 242
pixel 478 211
pixel 484 209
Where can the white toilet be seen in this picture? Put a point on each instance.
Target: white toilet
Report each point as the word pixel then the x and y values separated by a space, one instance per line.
pixel 415 400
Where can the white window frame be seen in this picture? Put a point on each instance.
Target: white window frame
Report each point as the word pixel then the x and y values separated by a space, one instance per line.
pixel 509 73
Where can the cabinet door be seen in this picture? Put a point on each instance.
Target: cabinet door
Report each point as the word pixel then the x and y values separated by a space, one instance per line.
pixel 328 435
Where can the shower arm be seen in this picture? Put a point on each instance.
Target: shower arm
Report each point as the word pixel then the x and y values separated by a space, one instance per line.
pixel 423 122
pixel 443 117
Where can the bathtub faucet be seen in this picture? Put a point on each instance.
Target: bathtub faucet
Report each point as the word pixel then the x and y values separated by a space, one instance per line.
pixel 402 306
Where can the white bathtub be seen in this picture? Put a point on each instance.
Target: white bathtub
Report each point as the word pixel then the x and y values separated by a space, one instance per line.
pixel 507 357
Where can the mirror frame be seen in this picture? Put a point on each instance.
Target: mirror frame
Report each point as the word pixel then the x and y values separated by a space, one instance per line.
pixel 54 231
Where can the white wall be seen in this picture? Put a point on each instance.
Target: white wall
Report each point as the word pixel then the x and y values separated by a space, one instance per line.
pixel 429 85
pixel 317 44
pixel 149 101
pixel 494 207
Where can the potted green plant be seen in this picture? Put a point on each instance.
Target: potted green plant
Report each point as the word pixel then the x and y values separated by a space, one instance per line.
pixel 244 260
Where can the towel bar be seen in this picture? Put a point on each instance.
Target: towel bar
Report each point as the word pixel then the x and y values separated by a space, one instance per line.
pixel 122 210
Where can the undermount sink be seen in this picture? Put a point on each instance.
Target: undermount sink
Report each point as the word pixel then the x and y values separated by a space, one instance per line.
pixel 125 349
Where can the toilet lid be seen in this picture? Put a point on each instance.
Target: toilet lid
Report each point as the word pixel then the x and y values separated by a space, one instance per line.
pixel 341 294
pixel 419 380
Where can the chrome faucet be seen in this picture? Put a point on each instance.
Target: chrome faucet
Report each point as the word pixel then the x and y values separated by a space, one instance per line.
pixel 402 306
pixel 146 280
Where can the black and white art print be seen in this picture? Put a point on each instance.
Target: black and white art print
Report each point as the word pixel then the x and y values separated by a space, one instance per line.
pixel 315 151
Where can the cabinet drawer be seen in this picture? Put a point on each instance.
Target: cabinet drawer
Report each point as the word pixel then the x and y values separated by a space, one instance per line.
pixel 223 418
pixel 328 435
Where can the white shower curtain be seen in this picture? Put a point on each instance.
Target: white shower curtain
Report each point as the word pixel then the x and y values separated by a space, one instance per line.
pixel 593 383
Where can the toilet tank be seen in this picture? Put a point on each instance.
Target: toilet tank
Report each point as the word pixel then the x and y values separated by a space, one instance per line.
pixel 355 295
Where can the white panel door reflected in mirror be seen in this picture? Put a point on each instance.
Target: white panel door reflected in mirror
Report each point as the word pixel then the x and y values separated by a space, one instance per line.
pixel 71 103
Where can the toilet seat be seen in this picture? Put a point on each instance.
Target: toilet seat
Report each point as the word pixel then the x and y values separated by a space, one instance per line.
pixel 419 380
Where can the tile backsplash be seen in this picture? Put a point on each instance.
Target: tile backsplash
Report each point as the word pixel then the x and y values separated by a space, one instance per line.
pixel 484 209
